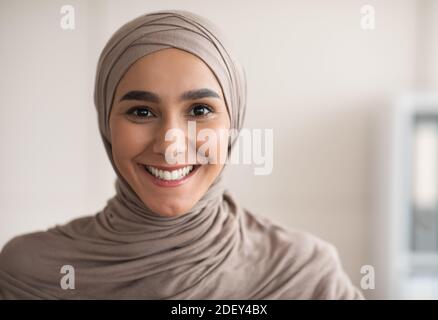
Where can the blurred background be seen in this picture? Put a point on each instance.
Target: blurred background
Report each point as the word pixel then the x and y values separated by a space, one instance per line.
pixel 354 113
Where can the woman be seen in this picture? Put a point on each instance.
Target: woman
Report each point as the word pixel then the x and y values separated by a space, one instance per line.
pixel 172 231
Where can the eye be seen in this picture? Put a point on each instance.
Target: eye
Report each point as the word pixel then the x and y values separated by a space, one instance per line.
pixel 140 112
pixel 200 110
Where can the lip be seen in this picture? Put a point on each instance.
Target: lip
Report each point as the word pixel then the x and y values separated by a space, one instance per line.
pixel 170 183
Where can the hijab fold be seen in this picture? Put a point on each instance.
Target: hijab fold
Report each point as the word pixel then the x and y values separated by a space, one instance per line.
pixel 218 250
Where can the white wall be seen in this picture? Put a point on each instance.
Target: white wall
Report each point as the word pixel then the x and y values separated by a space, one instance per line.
pixel 53 166
pixel 314 76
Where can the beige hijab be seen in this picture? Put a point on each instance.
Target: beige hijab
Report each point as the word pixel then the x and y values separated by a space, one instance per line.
pixel 218 250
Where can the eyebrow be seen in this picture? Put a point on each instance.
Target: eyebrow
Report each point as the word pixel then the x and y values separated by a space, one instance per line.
pixel 152 97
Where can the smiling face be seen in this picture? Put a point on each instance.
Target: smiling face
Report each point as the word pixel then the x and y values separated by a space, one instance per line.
pixel 166 90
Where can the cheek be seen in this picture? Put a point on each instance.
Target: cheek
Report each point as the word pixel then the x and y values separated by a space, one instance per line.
pixel 128 140
pixel 213 145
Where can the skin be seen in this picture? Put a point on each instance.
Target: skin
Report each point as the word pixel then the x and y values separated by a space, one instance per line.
pixel 138 127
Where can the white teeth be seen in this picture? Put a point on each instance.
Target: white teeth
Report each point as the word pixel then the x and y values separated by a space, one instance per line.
pixel 170 175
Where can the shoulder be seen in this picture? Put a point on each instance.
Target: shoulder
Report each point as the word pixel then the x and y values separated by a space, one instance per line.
pixel 28 266
pixel 21 253
pixel 26 252
pixel 40 244
pixel 302 242
pixel 316 262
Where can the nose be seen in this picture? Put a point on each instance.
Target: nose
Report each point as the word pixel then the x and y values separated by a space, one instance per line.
pixel 170 136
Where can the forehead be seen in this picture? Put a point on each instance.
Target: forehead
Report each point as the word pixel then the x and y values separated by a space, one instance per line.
pixel 168 71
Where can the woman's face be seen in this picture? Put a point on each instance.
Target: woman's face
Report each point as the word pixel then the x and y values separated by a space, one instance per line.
pixel 161 91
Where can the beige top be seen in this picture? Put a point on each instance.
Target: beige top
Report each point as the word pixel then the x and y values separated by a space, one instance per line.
pixel 231 256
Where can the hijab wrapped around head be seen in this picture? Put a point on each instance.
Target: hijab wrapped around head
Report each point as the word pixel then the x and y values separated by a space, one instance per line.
pixel 218 250
pixel 157 31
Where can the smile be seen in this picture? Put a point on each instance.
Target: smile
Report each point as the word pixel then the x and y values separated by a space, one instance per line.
pixel 169 177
